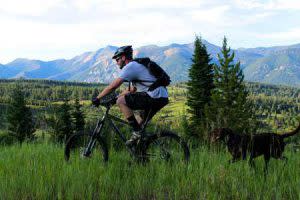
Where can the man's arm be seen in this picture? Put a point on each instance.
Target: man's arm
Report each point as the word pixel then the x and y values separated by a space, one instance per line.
pixel 111 87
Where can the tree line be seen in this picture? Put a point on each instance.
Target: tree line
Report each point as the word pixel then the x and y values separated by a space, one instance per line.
pixel 62 120
pixel 39 92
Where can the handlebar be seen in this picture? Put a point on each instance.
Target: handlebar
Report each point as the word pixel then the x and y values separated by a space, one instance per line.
pixel 109 99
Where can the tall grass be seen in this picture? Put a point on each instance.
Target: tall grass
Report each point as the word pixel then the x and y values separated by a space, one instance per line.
pixel 38 171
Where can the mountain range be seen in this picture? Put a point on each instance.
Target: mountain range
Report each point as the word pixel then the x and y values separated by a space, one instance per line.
pixel 275 65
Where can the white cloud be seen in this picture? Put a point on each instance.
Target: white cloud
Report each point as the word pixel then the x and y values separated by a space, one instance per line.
pixel 214 15
pixel 292 35
pixel 283 5
pixel 167 4
pixel 246 19
pixel 84 5
pixel 248 4
pixel 28 7
pixel 268 4
pixel 63 28
pixel 111 24
pixel 24 33
pixel 22 36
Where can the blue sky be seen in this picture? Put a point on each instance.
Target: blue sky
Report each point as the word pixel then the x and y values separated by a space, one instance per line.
pixel 47 30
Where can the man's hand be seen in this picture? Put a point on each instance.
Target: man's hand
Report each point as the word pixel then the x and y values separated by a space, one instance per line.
pixel 124 92
pixel 96 101
pixel 132 90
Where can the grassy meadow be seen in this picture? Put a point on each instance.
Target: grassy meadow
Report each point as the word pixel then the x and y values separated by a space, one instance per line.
pixel 39 171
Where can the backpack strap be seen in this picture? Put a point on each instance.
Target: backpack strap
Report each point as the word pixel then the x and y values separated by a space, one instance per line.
pixel 137 81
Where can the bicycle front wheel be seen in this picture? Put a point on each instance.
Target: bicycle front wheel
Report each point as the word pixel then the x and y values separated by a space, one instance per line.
pixel 166 146
pixel 76 147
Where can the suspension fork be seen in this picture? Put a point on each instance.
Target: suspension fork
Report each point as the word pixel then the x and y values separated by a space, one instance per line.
pixel 97 130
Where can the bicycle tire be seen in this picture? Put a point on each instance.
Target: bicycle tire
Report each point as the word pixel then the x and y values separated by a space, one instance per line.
pixel 78 142
pixel 156 148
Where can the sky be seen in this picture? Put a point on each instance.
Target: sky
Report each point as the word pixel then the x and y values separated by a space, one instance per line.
pixel 55 29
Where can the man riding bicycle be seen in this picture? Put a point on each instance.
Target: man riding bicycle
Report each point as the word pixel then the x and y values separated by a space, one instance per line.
pixel 138 97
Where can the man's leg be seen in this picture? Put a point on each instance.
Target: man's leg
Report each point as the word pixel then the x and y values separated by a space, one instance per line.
pixel 121 102
pixel 123 107
pixel 128 113
pixel 157 105
pixel 127 110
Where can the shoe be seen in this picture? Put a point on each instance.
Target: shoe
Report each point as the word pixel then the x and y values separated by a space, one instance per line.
pixel 134 137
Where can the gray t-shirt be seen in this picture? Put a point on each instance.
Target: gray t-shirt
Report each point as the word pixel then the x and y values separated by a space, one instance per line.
pixel 135 71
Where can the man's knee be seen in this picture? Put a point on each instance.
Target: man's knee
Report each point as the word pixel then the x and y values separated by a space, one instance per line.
pixel 121 100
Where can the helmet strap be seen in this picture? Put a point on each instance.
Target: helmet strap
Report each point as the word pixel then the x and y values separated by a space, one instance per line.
pixel 122 64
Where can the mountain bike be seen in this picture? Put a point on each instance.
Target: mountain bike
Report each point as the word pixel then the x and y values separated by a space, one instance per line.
pixel 161 145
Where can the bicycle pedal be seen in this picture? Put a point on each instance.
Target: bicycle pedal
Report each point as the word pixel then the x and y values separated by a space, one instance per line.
pixel 144 138
pixel 132 150
pixel 84 156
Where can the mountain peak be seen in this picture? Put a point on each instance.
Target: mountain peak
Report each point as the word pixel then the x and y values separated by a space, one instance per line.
pixel 174 45
pixel 22 61
pixel 109 47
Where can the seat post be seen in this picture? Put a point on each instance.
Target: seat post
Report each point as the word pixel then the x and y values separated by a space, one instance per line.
pixel 147 120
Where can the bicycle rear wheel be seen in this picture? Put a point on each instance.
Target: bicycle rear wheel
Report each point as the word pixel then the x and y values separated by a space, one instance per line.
pixel 166 146
pixel 77 144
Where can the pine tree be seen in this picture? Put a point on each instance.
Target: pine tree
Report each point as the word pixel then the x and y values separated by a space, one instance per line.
pixel 230 106
pixel 19 116
pixel 61 122
pixel 199 85
pixel 78 115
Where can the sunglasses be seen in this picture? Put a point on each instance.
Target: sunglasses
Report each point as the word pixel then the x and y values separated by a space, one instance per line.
pixel 117 59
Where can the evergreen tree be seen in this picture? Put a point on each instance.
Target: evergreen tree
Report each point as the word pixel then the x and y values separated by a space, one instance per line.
pixel 62 122
pixel 230 106
pixel 19 116
pixel 78 115
pixel 199 85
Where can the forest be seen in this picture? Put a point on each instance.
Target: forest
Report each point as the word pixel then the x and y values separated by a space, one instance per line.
pixel 276 107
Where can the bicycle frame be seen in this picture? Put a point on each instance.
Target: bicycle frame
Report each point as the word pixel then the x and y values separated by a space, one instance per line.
pixel 99 126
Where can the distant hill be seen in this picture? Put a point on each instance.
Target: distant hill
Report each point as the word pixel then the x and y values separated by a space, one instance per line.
pixel 275 65
pixel 281 66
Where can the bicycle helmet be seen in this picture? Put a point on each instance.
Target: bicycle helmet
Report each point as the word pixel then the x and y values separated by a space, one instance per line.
pixel 124 50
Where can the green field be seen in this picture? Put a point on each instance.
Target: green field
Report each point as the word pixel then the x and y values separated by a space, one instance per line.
pixel 38 171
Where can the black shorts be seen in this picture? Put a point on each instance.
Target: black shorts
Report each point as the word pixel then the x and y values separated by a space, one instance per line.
pixel 142 101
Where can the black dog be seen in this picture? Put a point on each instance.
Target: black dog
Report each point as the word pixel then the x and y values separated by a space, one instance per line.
pixel 267 144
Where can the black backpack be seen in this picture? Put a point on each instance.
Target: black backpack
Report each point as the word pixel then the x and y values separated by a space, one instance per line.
pixel 162 78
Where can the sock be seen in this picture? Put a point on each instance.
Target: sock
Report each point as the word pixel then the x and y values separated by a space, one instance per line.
pixel 133 123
